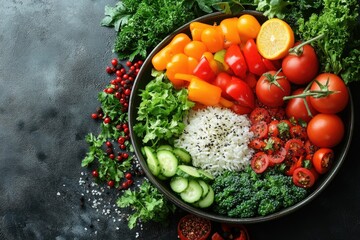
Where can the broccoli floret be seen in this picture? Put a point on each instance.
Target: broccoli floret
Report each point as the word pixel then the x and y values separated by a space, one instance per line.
pixel 248 194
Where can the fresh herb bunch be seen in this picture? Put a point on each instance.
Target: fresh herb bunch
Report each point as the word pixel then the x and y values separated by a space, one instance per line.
pixel 142 24
pixel 148 204
pixel 162 110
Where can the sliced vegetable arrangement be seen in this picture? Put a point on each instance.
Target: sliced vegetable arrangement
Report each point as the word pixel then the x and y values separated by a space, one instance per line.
pixel 254 70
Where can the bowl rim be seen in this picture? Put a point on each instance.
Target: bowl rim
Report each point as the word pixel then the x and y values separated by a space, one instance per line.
pixel 202 212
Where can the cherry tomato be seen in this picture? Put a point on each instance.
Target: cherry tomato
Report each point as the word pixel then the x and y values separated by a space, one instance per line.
pixel 334 102
pixel 296 107
pixel 277 157
pixel 248 27
pixel 259 114
pixel 229 29
pixel 301 65
pixel 322 160
pixel 303 177
pixel 259 129
pixel 271 88
pixel 273 128
pixel 325 130
pixel 299 132
pixel 259 162
pixel 277 113
pixel 257 144
pixel 273 144
pixel 292 164
pixel 195 49
pixel 310 148
pixel 294 147
pixel 213 39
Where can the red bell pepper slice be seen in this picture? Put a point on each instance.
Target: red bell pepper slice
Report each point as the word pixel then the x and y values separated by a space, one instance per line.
pixel 204 71
pixel 236 61
pixel 253 58
pixel 235 89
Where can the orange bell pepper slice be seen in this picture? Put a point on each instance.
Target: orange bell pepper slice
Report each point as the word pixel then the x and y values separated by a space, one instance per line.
pixel 180 63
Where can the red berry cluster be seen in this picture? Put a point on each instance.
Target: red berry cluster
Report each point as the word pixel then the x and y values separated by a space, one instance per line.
pixel 120 87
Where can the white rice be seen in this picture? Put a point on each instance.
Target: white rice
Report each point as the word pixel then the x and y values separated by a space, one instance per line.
pixel 217 139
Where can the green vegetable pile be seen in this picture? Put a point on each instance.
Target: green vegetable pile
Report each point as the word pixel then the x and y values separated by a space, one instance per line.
pixel 147 203
pixel 161 111
pixel 248 194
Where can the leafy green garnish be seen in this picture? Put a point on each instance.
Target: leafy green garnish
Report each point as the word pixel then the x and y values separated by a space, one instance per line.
pixel 162 110
pixel 148 204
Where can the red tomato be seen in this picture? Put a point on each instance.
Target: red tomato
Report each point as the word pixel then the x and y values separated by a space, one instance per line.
pixel 259 114
pixel 273 129
pixel 301 65
pixel 257 144
pixel 259 129
pixel 310 148
pixel 303 177
pixel 253 58
pixel 325 130
pixel 259 162
pixel 331 103
pixel 294 147
pixel 273 144
pixel 277 113
pixel 299 132
pixel 296 107
pixel 277 157
pixel 322 160
pixel 271 88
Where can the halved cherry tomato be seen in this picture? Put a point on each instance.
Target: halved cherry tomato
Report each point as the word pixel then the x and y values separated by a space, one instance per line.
pixel 277 157
pixel 236 61
pixel 294 147
pixel 292 164
pixel 259 162
pixel 259 129
pixel 325 130
pixel 257 144
pixel 310 148
pixel 259 114
pixel 273 128
pixel 323 159
pixel 271 88
pixel 273 144
pixel 277 113
pixel 299 132
pixel 303 177
pixel 253 58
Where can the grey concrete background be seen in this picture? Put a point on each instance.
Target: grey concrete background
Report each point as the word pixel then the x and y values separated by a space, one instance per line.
pixel 52 60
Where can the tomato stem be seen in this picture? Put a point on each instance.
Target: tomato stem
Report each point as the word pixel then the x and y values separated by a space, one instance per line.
pixel 298 49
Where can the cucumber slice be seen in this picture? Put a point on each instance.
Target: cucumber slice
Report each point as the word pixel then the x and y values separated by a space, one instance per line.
pixel 208 199
pixel 179 184
pixel 187 171
pixel 205 175
pixel 182 155
pixel 164 147
pixel 152 161
pixel 204 186
pixel 192 193
pixel 168 162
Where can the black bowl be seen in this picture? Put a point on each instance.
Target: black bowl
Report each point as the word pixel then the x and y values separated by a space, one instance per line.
pixel 145 75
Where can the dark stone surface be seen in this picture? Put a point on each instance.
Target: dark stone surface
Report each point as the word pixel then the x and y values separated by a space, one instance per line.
pixel 52 60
